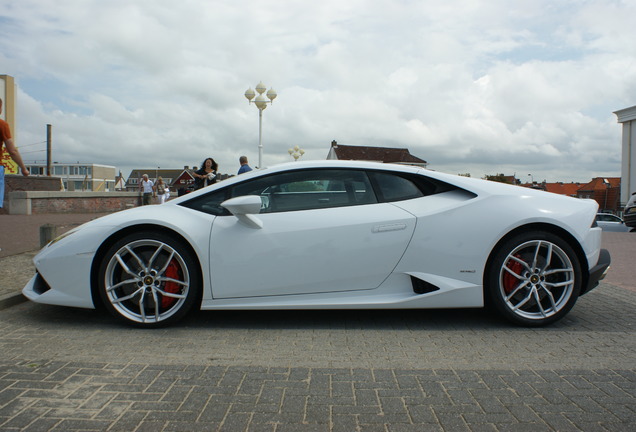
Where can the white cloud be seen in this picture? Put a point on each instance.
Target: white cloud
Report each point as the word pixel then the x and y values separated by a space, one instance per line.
pixel 477 86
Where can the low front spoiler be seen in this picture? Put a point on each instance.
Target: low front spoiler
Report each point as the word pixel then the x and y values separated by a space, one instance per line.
pixel 598 272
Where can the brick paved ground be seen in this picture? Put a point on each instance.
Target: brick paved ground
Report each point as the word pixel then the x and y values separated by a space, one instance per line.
pixel 64 369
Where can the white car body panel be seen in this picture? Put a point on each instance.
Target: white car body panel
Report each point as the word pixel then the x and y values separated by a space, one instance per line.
pixel 72 270
pixel 308 252
pixel 346 257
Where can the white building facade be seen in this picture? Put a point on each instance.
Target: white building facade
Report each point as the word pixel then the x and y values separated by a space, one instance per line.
pixel 627 117
pixel 80 176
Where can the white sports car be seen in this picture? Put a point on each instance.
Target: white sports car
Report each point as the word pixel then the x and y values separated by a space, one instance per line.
pixel 332 235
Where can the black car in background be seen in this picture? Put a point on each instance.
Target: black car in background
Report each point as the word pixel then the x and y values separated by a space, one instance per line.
pixel 629 216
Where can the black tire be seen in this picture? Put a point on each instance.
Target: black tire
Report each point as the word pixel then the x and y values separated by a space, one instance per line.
pixel 149 279
pixel 534 279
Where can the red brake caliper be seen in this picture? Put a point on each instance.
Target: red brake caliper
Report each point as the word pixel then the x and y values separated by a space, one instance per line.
pixel 171 272
pixel 509 281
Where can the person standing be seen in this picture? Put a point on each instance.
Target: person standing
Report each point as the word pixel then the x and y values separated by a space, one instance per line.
pixel 206 175
pixel 5 139
pixel 147 188
pixel 161 189
pixel 244 166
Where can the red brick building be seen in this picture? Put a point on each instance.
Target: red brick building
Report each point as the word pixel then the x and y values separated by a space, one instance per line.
pixel 606 191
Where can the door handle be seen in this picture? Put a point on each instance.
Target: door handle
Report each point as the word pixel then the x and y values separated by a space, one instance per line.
pixel 389 227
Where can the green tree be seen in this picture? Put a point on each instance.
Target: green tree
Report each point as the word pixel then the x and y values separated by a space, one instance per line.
pixel 501 178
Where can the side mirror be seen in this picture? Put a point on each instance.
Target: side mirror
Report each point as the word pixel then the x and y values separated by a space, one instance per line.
pixel 245 208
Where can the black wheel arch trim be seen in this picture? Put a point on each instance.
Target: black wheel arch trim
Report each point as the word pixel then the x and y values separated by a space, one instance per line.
pixel 548 228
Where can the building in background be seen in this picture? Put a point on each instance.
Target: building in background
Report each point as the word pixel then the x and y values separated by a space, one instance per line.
pixel 569 189
pixel 627 117
pixel 374 154
pixel 606 191
pixel 79 176
pixel 120 182
pixel 178 180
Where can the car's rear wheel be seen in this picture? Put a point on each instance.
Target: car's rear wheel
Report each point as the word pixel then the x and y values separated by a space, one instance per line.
pixel 535 279
pixel 149 279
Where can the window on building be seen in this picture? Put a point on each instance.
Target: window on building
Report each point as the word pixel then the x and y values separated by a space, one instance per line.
pixel 36 170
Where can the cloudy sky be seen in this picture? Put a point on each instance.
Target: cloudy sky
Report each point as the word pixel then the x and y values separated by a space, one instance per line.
pixel 471 86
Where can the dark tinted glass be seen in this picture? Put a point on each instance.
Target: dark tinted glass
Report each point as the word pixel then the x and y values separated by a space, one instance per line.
pixel 396 188
pixel 295 190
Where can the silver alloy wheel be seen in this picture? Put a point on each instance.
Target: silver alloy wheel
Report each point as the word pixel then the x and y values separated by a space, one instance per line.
pixel 146 281
pixel 536 280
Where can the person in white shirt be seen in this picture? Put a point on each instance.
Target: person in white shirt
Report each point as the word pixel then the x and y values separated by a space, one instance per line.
pixel 147 189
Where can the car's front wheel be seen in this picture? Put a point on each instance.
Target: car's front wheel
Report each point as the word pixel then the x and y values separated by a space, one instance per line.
pixel 534 279
pixel 149 279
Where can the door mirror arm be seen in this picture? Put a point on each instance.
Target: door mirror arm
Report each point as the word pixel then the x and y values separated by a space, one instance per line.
pixel 245 208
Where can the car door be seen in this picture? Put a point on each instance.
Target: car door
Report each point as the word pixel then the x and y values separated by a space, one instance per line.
pixel 321 231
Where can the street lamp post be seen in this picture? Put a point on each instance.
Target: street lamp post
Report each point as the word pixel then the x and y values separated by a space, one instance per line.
pixel 607 188
pixel 261 104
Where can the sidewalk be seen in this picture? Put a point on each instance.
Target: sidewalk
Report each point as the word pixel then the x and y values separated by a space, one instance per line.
pixel 21 233
pixel 20 241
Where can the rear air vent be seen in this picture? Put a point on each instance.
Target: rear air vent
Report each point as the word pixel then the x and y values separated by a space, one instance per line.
pixel 422 287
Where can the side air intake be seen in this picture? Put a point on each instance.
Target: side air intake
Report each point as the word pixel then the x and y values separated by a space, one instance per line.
pixel 422 287
pixel 40 286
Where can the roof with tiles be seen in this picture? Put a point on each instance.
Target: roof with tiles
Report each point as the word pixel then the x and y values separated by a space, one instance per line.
pixel 601 183
pixel 377 154
pixel 568 189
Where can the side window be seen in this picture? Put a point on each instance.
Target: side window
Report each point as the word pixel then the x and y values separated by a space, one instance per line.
pixel 295 191
pixel 210 203
pixel 309 189
pixel 396 188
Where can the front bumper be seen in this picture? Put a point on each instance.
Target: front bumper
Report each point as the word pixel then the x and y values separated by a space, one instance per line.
pixel 598 272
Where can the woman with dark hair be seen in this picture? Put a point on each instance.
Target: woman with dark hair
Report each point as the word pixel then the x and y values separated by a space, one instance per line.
pixel 206 175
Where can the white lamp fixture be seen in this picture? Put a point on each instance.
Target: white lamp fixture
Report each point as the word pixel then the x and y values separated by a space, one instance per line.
pixel 296 152
pixel 261 104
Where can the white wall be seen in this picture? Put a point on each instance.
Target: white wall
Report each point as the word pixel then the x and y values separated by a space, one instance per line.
pixel 627 117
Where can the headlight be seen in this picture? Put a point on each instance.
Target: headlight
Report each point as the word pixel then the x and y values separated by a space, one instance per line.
pixel 60 237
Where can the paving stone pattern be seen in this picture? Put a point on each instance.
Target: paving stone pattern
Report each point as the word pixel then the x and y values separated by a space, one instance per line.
pixel 64 369
pixel 125 397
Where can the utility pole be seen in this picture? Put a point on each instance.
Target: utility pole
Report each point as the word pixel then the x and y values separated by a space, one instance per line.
pixel 49 156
